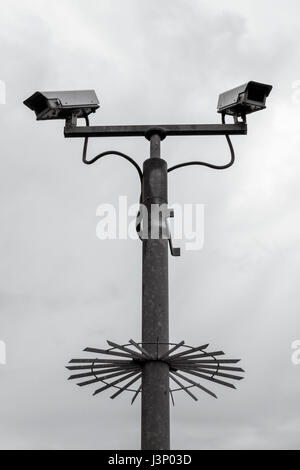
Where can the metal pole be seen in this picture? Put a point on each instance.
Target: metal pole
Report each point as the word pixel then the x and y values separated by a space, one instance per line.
pixel 155 310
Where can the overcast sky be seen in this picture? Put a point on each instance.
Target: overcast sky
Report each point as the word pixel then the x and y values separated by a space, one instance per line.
pixel 62 289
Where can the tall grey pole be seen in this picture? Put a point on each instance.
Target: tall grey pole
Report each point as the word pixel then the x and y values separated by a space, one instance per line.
pixel 155 309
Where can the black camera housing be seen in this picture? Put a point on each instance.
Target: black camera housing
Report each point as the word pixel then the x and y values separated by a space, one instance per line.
pixel 49 105
pixel 245 99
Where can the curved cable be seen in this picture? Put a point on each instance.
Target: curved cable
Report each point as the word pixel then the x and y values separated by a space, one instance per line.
pixel 113 152
pixel 104 154
pixel 210 165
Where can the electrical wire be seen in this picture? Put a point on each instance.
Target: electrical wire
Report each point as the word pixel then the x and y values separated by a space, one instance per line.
pixel 109 152
pixel 120 154
pixel 210 165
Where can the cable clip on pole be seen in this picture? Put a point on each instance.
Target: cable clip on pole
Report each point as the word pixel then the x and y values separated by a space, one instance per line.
pixel 174 251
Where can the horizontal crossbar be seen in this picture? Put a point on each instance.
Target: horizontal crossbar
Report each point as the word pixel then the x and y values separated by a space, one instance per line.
pixel 164 130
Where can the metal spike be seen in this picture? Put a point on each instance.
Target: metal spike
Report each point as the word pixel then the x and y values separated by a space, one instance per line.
pixel 136 394
pixel 167 354
pixel 219 361
pixel 172 397
pixel 108 353
pixel 204 389
pixel 140 348
pixel 102 372
pixel 210 379
pixel 184 388
pixel 190 351
pixel 127 350
pixel 123 389
pixel 200 356
pixel 100 366
pixel 116 382
pixel 110 376
pixel 212 366
pixel 214 373
pixel 100 361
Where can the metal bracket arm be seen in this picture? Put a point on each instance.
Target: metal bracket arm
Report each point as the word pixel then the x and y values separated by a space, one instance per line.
pixel 72 131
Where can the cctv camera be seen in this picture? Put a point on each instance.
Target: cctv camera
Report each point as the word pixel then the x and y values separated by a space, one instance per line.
pixel 245 99
pixel 62 104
